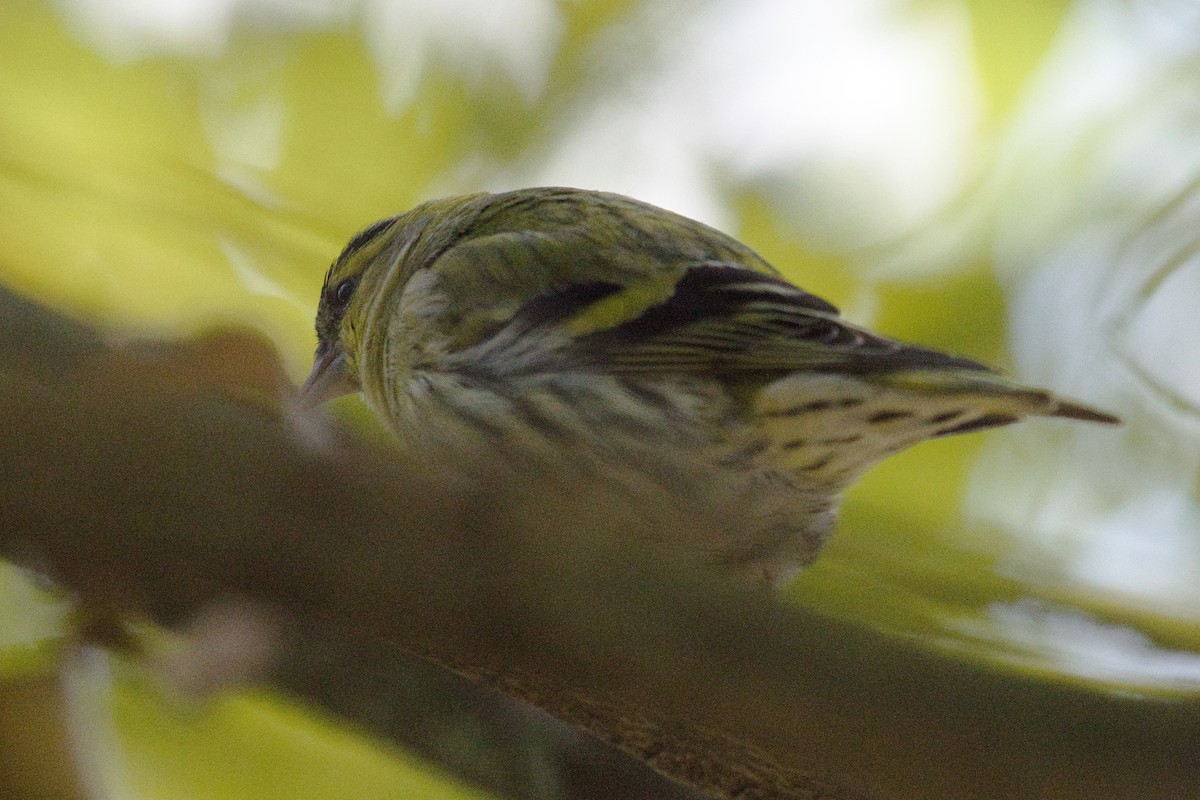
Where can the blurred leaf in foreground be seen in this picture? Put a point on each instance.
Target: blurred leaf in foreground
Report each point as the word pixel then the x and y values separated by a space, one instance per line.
pixel 160 499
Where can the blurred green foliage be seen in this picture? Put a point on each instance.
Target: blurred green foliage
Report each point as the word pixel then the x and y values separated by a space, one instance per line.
pixel 123 204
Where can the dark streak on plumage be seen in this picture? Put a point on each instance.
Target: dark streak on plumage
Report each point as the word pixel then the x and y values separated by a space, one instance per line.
pixel 365 235
pixel 979 423
pixel 833 440
pixel 819 464
pixel 888 416
pixel 553 307
pixel 813 406
pixel 478 420
pixel 699 296
pixel 654 398
pixel 527 408
pixel 753 450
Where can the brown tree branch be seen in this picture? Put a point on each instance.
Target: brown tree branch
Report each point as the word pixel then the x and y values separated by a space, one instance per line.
pixel 159 481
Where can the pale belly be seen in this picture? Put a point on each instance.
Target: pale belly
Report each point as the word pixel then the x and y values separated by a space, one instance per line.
pixel 646 439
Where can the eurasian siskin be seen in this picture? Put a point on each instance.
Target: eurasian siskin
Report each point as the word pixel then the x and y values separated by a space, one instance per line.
pixel 594 330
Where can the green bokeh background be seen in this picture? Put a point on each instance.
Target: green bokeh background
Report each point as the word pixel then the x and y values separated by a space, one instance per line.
pixel 117 209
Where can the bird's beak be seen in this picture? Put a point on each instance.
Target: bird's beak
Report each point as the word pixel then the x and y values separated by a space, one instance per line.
pixel 329 378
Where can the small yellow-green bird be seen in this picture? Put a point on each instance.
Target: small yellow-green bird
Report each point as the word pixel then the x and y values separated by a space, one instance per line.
pixel 592 329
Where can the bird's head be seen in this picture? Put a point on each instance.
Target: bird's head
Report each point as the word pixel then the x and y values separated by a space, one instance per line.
pixel 341 313
pixel 374 265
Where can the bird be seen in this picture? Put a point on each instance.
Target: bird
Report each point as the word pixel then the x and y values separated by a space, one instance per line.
pixel 584 328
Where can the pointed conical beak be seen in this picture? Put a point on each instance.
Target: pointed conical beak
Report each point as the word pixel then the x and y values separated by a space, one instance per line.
pixel 329 378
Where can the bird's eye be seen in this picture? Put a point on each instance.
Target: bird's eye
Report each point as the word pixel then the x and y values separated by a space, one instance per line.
pixel 343 292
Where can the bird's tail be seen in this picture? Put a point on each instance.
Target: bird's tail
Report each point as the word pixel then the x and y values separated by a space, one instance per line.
pixel 830 428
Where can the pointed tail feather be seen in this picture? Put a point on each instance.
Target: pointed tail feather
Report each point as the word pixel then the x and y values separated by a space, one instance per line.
pixel 1029 400
pixel 1073 410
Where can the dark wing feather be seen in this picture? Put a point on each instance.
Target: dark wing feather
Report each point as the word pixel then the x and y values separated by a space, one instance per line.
pixel 727 320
